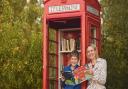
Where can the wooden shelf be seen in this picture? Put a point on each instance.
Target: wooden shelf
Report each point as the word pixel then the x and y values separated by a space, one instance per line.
pixel 70 29
pixel 68 51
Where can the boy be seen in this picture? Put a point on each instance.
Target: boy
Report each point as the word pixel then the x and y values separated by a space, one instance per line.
pixel 70 68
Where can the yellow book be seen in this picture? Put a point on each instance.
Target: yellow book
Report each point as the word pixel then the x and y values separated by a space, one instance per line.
pixel 72 44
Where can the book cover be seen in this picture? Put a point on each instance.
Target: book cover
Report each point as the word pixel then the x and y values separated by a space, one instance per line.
pixel 78 76
pixel 82 74
pixel 67 74
pixel 69 77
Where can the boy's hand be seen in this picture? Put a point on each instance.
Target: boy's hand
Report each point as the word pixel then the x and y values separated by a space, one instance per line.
pixel 62 78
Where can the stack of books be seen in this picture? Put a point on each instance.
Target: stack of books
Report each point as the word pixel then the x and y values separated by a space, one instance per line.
pixel 70 44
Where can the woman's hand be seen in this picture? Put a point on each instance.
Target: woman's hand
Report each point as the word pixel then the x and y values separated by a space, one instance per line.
pixel 91 71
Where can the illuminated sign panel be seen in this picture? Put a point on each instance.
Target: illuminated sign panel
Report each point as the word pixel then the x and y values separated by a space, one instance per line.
pixel 64 8
pixel 92 10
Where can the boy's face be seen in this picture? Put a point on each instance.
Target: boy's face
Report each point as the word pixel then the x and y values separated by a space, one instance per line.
pixel 73 60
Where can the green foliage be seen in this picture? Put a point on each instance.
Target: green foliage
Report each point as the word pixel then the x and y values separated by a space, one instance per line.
pixel 115 41
pixel 20 45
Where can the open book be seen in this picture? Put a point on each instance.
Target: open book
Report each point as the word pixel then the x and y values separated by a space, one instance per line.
pixel 78 76
pixel 82 74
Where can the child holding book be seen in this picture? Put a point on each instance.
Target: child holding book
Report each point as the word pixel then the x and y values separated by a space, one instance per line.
pixel 69 70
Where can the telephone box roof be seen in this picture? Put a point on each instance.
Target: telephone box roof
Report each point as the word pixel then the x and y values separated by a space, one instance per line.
pixel 56 8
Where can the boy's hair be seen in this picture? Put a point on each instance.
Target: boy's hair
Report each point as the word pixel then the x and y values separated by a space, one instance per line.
pixel 75 53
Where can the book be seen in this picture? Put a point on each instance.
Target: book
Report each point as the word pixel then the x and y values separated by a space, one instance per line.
pixel 64 45
pixel 67 45
pixel 72 44
pixel 78 76
pixel 69 77
pixel 77 43
pixel 67 74
pixel 82 74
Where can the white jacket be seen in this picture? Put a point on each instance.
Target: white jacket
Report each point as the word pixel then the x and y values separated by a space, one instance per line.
pixel 100 73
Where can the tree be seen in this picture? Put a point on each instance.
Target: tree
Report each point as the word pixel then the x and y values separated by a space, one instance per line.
pixel 115 41
pixel 20 44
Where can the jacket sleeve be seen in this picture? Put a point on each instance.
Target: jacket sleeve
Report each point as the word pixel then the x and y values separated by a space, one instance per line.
pixel 63 84
pixel 100 73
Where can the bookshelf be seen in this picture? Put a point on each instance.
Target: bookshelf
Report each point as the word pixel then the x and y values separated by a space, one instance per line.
pixel 69 51
pixel 69 40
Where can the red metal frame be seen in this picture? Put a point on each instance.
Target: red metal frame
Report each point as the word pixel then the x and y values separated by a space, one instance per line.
pixel 45 54
pixel 86 18
pixel 57 59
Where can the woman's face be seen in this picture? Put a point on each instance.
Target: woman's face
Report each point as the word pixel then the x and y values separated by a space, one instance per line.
pixel 90 53
pixel 73 60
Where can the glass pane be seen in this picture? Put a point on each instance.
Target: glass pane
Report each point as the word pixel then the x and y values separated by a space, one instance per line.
pixel 52 60
pixel 52 73
pixel 93 32
pixel 93 35
pixel 52 84
pixel 52 47
pixel 93 41
pixel 52 34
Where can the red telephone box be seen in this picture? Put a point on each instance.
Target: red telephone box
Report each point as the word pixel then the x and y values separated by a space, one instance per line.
pixel 67 25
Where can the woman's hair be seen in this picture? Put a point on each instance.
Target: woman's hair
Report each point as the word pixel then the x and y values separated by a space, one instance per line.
pixel 75 53
pixel 95 49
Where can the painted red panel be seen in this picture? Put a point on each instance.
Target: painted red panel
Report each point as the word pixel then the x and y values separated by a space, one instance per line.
pixel 86 18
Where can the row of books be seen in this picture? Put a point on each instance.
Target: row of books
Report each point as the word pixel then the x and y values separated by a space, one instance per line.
pixel 70 44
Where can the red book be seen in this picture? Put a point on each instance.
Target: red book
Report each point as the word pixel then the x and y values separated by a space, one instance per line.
pixel 82 74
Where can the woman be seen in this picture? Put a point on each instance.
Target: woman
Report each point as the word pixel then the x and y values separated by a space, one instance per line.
pixel 73 65
pixel 99 68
